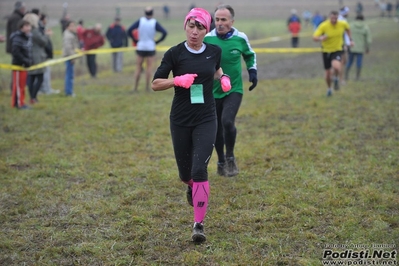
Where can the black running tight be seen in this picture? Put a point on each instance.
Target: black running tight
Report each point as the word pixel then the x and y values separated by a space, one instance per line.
pixel 193 148
pixel 227 109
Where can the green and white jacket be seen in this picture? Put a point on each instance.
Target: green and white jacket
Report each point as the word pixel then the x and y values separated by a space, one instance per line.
pixel 233 47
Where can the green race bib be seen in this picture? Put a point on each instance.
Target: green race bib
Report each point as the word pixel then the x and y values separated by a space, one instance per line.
pixel 197 94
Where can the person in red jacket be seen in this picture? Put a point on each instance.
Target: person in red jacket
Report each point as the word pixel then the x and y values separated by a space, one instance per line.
pixel 294 27
pixel 92 39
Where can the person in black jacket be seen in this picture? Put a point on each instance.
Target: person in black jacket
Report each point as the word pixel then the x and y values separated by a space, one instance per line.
pixel 193 121
pixel 12 22
pixel 117 37
pixel 21 42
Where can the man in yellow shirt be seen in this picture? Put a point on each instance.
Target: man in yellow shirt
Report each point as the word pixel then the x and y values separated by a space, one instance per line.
pixel 330 33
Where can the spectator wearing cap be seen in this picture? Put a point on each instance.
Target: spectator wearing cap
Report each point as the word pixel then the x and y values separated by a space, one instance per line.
pixel 12 22
pixel 117 37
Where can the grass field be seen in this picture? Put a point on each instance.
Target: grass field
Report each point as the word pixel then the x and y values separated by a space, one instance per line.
pixel 92 180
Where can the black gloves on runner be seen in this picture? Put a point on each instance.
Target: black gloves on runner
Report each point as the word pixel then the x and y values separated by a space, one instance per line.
pixel 253 77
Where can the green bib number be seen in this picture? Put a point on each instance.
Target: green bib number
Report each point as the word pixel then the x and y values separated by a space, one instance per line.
pixel 197 94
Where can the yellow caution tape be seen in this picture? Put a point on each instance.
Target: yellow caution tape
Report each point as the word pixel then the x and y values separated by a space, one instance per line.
pixel 41 65
pixel 127 49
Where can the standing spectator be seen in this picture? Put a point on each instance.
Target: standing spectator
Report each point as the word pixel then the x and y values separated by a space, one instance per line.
pixel 294 27
pixel 79 31
pixel 21 44
pixel 46 85
pixel 293 17
pixel 389 9
pixel 2 38
pixel 13 22
pixel 307 16
pixel 93 39
pixel 397 9
pixel 383 8
pixel 234 44
pixel 64 21
pixel 359 8
pixel 343 16
pixel 194 65
pixel 362 41
pixel 69 47
pixel 39 43
pixel 317 19
pixel 330 33
pixel 147 27
pixel 166 11
pixel 117 37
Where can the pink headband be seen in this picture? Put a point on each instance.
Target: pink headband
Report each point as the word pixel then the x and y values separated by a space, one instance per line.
pixel 200 15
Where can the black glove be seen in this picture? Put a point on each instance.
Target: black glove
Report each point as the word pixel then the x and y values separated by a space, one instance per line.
pixel 253 77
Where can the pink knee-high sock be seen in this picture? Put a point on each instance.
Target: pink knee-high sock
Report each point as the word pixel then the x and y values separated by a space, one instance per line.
pixel 189 183
pixel 200 200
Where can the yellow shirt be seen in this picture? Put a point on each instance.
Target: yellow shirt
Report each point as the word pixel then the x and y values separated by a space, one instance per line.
pixel 334 33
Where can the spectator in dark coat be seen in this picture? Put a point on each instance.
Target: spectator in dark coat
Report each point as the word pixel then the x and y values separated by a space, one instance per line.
pixel 39 42
pixel 117 37
pixel 64 22
pixel 12 23
pixel 21 52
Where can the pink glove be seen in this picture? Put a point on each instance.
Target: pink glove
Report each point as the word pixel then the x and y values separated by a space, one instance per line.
pixel 185 80
pixel 225 83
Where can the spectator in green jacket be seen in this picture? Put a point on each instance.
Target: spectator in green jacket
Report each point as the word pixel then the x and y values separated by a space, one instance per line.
pixel 362 39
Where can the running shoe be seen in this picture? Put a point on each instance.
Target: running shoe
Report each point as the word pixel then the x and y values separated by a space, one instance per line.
pixel 231 169
pixel 221 169
pixel 329 92
pixel 189 194
pixel 198 235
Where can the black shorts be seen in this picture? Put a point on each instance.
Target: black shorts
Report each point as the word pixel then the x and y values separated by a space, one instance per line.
pixel 145 53
pixel 329 57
